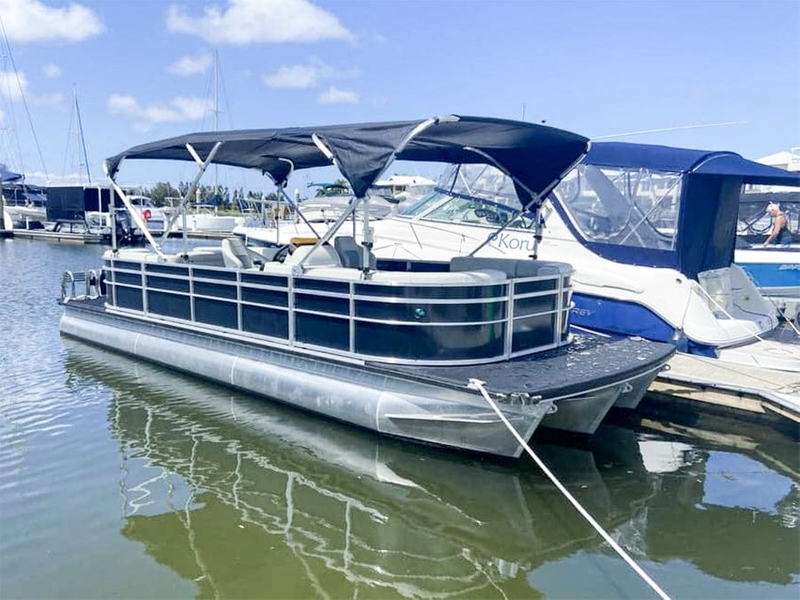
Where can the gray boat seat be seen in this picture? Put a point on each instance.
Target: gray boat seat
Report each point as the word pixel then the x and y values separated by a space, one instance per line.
pixel 476 276
pixel 324 256
pixel 236 255
pixel 351 253
pixel 514 268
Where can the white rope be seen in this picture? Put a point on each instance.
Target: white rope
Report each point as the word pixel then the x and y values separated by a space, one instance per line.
pixel 477 384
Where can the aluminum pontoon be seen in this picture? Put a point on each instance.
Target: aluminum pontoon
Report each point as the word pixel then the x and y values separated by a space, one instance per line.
pixel 317 326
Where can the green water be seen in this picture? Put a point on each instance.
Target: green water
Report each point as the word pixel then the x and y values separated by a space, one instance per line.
pixel 122 479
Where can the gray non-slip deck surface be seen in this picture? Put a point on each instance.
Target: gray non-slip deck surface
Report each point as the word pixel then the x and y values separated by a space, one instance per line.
pixel 591 361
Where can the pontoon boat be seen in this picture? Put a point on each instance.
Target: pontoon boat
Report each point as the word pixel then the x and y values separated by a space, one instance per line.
pixel 318 326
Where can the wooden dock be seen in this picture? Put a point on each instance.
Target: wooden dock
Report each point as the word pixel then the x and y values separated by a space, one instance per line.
pixel 707 385
pixel 58 236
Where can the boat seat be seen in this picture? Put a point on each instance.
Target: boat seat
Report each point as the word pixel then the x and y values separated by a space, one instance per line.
pixel 236 255
pixel 210 257
pixel 324 256
pixel 514 268
pixel 477 276
pixel 336 273
pixel 351 253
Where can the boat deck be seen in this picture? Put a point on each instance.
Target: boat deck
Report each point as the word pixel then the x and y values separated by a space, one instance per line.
pixel 554 373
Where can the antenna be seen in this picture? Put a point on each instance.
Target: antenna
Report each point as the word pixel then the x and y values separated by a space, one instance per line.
pixel 665 129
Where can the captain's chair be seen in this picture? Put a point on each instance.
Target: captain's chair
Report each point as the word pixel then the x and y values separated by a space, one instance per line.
pixel 351 253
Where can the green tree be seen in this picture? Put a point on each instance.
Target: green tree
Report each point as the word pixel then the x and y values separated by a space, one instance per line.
pixel 338 187
pixel 161 191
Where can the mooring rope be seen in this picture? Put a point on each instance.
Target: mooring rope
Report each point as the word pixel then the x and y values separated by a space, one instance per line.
pixel 477 384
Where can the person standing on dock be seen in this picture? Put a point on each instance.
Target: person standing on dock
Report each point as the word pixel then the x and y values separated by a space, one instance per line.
pixel 780 226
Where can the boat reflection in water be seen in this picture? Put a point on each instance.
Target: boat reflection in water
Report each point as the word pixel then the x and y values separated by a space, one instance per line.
pixel 252 499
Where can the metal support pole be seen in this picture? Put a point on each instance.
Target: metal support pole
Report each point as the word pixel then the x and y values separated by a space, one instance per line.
pixel 329 234
pixel 366 239
pixel 185 239
pixel 140 223
pixel 278 221
pixel 203 166
pixel 114 248
pixel 535 198
pixel 282 193
pixel 537 231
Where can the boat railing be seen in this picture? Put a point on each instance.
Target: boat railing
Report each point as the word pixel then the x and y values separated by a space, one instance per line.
pixel 382 321
pixel 69 281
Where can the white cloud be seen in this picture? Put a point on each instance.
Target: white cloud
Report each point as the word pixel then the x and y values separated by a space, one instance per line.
pixel 305 76
pixel 178 110
pixel 336 96
pixel 190 65
pixel 32 20
pixel 259 21
pixel 296 76
pixel 52 70
pixel 42 178
pixel 54 100
pixel 299 76
pixel 13 85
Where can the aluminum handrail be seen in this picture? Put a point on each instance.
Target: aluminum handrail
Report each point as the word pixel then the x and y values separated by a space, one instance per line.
pixel 508 297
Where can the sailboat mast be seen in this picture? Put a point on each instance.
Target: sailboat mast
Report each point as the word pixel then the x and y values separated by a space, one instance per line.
pixel 216 114
pixel 10 55
pixel 82 140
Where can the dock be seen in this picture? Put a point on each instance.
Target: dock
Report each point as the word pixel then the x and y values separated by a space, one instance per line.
pixel 202 235
pixel 710 386
pixel 58 236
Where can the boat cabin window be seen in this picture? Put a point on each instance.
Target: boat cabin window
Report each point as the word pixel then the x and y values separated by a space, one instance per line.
pixel 755 223
pixel 472 195
pixel 626 207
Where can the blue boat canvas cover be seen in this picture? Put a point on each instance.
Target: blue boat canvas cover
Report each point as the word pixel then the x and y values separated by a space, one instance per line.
pixel 708 208
pixel 8 176
pixel 536 156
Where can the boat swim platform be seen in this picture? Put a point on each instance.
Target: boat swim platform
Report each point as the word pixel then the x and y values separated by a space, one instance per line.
pixel 703 385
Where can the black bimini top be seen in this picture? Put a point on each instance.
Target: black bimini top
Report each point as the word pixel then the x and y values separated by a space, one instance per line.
pixel 535 156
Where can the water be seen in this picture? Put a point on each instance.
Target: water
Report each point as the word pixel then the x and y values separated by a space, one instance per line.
pixel 119 478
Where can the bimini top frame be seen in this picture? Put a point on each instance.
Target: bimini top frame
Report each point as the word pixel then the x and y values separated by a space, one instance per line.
pixel 535 156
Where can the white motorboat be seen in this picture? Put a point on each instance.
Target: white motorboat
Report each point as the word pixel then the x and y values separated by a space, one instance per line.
pixel 651 232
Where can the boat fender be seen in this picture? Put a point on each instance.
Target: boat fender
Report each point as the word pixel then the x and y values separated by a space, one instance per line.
pixel 102 283
pixel 146 214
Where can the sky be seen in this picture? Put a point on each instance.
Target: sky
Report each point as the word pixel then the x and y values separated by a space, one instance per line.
pixel 142 71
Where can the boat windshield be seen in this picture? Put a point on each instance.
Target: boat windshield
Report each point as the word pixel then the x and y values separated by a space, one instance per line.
pixel 471 195
pixel 626 207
